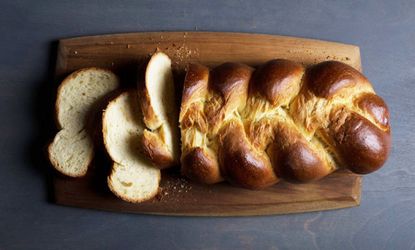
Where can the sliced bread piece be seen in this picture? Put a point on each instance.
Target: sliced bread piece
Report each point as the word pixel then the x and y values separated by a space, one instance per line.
pixel 79 99
pixel 161 139
pixel 133 177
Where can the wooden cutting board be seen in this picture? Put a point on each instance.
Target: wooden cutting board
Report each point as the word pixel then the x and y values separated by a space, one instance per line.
pixel 178 196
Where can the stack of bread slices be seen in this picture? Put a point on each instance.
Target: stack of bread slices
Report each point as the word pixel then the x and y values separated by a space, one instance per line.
pixel 139 127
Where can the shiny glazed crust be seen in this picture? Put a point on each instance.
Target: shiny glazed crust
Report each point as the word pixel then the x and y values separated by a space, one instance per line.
pixel 280 121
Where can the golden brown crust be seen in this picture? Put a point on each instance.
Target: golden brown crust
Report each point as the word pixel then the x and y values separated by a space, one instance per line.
pixel 198 161
pixel 294 159
pixel 201 166
pixel 288 125
pixel 155 150
pixel 376 108
pixel 241 163
pixel 363 146
pixel 195 83
pixel 228 85
pixel 327 78
pixel 194 118
pixel 195 89
pixel 277 80
pixel 231 81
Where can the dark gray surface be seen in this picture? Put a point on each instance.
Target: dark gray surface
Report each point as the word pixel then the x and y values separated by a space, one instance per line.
pixel 385 32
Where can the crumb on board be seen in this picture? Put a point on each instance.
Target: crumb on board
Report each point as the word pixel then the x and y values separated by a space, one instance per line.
pixel 172 190
pixel 180 52
pixel 177 50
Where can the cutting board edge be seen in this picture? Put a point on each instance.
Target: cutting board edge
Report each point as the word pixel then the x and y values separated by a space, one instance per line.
pixel 68 40
pixel 330 204
pixel 66 43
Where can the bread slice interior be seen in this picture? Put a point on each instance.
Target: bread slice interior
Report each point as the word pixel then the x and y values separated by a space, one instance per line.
pixel 160 112
pixel 133 177
pixel 79 99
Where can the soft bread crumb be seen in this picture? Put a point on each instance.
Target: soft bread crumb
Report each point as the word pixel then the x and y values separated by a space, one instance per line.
pixel 161 113
pixel 78 99
pixel 133 178
pixel 80 92
pixel 133 183
pixel 71 153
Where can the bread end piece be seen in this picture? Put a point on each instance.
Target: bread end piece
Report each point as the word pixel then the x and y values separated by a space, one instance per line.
pixel 156 150
pixel 160 112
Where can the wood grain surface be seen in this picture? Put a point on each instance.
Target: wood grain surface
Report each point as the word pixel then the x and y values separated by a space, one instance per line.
pixel 178 196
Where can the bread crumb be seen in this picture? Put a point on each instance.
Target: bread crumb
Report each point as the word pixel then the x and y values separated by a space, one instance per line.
pixel 180 53
pixel 173 190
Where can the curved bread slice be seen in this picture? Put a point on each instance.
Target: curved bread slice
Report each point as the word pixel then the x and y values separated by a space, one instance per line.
pixel 133 178
pixel 158 103
pixel 78 101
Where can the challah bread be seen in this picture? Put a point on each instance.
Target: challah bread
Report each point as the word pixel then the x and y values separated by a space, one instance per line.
pixel 133 177
pixel 282 120
pixel 160 140
pixel 79 98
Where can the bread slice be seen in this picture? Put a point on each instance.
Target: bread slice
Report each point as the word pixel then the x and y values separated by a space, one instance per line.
pixel 133 177
pixel 79 98
pixel 161 139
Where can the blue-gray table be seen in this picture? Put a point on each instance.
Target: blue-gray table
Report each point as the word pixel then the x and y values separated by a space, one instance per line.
pixel 385 32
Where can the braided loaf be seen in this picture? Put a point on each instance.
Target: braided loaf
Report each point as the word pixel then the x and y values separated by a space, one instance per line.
pixel 253 127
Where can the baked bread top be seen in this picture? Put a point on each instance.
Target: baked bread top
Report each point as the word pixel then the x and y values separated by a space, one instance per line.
pixel 282 120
